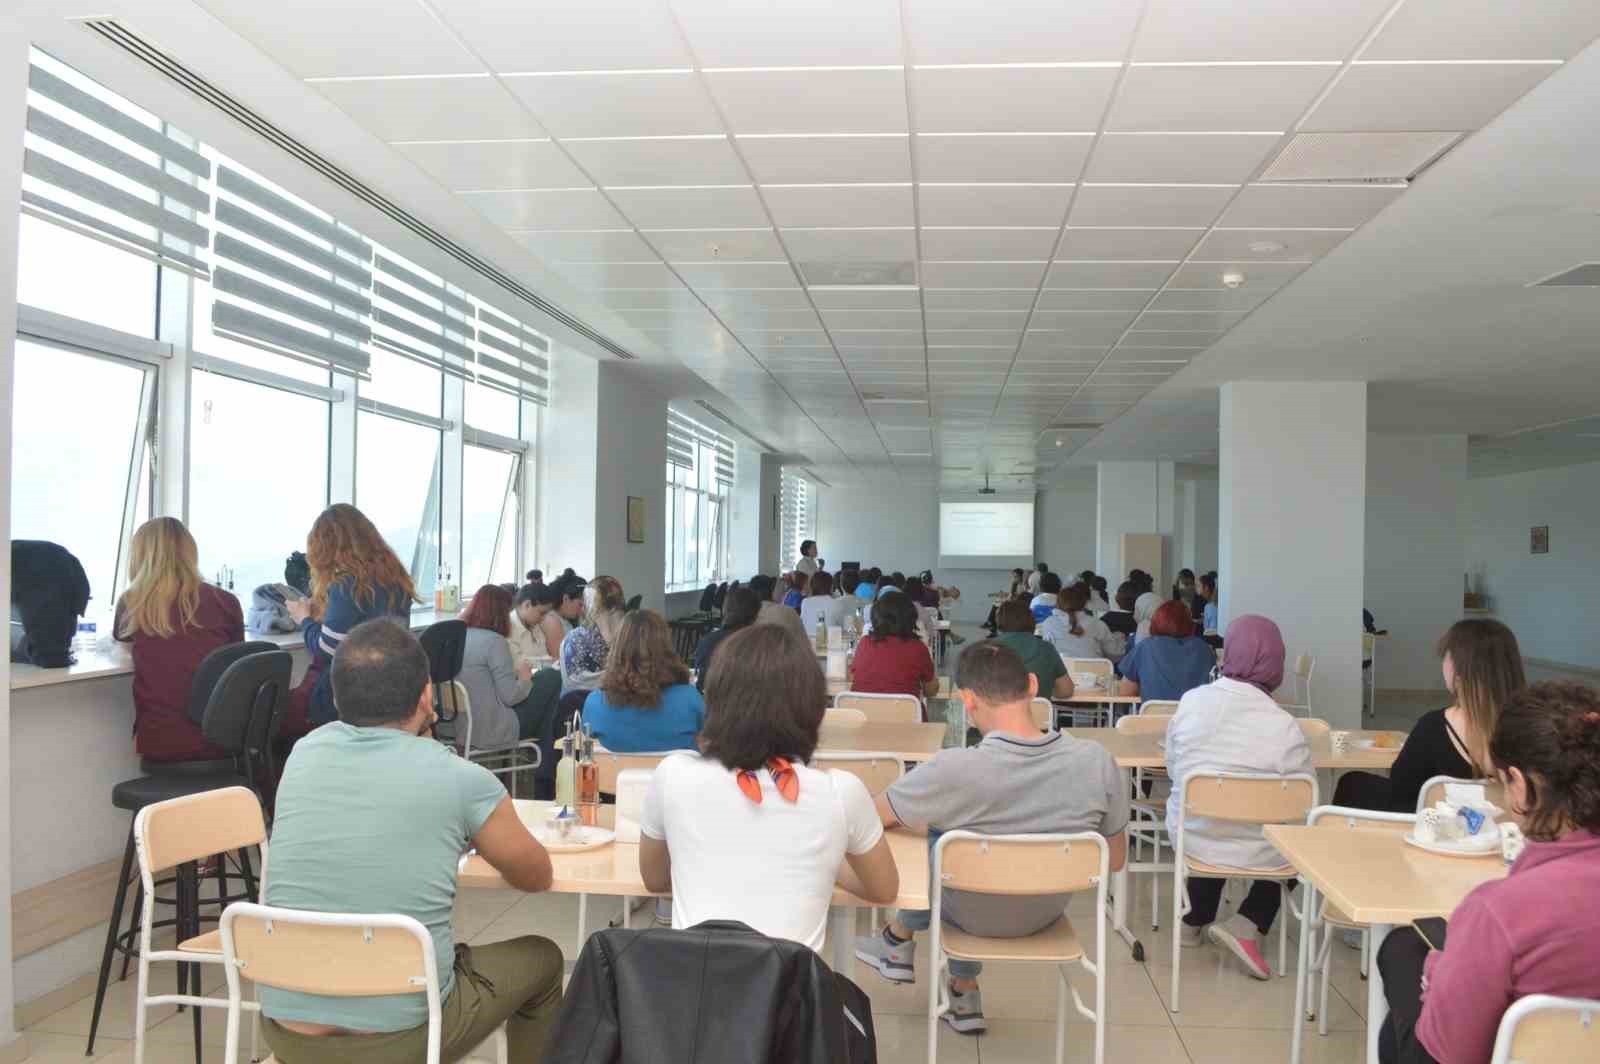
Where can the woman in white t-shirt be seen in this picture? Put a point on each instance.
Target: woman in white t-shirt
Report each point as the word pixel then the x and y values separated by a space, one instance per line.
pixel 744 830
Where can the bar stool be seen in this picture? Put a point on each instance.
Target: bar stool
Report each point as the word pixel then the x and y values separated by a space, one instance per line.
pixel 242 692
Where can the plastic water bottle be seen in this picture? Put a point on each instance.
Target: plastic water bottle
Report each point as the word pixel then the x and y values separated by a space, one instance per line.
pixel 88 634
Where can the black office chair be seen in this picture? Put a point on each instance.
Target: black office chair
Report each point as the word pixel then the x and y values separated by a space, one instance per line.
pixel 632 604
pixel 446 645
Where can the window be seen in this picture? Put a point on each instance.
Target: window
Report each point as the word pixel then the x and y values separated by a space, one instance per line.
pixel 74 479
pixel 397 487
pixel 258 471
pixel 489 502
pixel 699 477
pixel 799 516
pixel 85 278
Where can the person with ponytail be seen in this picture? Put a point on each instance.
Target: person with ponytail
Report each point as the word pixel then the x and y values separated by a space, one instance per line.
pixel 1538 930
pixel 1076 634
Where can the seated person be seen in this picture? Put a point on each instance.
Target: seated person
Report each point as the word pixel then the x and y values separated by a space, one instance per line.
pixel 892 582
pixel 1120 620
pixel 1172 662
pixel 868 587
pixel 1076 634
pixel 583 652
pixel 799 586
pixel 1038 657
pixel 563 603
pixel 1144 611
pixel 1537 930
pixel 739 610
pixel 372 817
pixel 173 619
pixel 526 634
pixel 776 612
pixel 646 703
pixel 1098 604
pixel 743 829
pixel 1208 595
pixel 505 705
pixel 1017 781
pixel 1044 603
pixel 891 660
pixel 1233 725
pixel 818 604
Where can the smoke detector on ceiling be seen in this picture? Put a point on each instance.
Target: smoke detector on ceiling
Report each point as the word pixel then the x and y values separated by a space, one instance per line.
pixel 1233 279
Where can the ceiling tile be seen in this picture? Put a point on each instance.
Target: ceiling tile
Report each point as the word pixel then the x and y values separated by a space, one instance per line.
pixel 851 245
pixel 680 299
pixel 811 101
pixel 1178 157
pixel 433 108
pixel 1234 301
pixel 1018 31
pixel 977 319
pixel 1144 354
pixel 873 319
pixel 1081 320
pixel 730 33
pixel 1268 245
pixel 1413 96
pixel 1309 205
pixel 593 246
pixel 635 104
pixel 316 39
pixel 1167 98
pixel 513 35
pixel 792 298
pixel 839 206
pixel 978 298
pixel 801 160
pixel 691 208
pixel 496 164
pixel 577 208
pixel 1129 299
pixel 781 321
pixel 1147 244
pixel 1147 205
pixel 1000 157
pixel 866 299
pixel 992 205
pixel 1073 347
pixel 1109 274
pixel 860 338
pixel 659 162
pixel 706 245
pixel 857 355
pixel 988 244
pixel 981 274
pixel 1258 275
pixel 1451 29
pixel 1010 100
pixel 1140 337
pixel 971 356
pixel 1067 335
pixel 1001 337
pixel 738 274
pixel 1238 30
pixel 1186 320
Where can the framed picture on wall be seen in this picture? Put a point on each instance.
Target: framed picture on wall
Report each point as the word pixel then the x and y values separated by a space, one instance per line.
pixel 1539 540
pixel 635 519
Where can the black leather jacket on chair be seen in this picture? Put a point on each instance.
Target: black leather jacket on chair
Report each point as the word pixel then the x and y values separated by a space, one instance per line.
pixel 717 993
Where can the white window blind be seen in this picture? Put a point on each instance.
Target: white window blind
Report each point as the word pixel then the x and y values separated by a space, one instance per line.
pixel 797 516
pixel 687 439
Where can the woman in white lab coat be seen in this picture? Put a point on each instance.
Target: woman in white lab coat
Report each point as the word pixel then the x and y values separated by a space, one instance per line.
pixel 1233 725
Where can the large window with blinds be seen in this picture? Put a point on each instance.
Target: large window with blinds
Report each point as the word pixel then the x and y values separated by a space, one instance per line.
pixel 799 516
pixel 699 483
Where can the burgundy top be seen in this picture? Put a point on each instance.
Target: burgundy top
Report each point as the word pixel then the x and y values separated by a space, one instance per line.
pixel 1535 932
pixel 892 666
pixel 163 670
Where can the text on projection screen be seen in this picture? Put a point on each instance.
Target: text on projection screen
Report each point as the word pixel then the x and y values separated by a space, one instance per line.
pixel 985 534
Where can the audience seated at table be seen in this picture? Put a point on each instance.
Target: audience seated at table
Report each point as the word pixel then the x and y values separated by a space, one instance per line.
pixel 1184 591
pixel 1036 578
pixel 891 582
pixel 821 607
pixel 1144 611
pixel 1074 633
pixel 372 817
pixel 563 602
pixel 528 608
pixel 583 652
pixel 646 703
pixel 1043 604
pixel 1017 781
pixel 1538 930
pixel 172 619
pixel 1208 612
pixel 739 610
pixel 744 829
pixel 509 700
pixel 776 613
pixel 1039 657
pixel 891 660
pixel 1482 666
pixel 1172 662
pixel 868 587
pixel 355 577
pixel 1098 603
pixel 1120 620
pixel 1233 725
pixel 799 587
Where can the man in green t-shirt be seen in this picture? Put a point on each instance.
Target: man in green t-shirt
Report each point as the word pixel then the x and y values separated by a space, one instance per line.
pixel 373 817
pixel 1039 657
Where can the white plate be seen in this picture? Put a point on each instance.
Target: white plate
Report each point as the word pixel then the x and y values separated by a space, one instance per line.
pixel 1447 850
pixel 582 838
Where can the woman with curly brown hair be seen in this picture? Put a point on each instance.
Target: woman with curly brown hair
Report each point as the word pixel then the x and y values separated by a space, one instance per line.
pixel 355 577
pixel 646 703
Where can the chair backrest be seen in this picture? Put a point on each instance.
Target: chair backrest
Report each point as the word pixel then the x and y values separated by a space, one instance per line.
pixel 1543 1029
pixel 1432 791
pixel 883 709
pixel 195 826
pixel 1158 707
pixel 1019 864
pixel 1339 818
pixel 1100 667
pixel 445 643
pixel 249 694
pixel 209 672
pixel 357 954
pixel 1142 724
pixel 1304 666
pixel 877 771
pixel 457 729
pixel 1248 798
pixel 844 718
pixel 632 604
pixel 1044 714
pixel 610 764
pixel 1313 727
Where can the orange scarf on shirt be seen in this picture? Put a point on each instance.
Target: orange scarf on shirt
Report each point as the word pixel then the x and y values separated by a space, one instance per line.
pixel 784 777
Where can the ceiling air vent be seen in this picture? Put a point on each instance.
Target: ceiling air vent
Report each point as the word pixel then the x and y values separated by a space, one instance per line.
pixel 1584 275
pixel 858 274
pixel 1362 158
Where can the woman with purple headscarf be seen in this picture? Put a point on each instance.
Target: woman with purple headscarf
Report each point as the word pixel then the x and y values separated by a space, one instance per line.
pixel 1233 725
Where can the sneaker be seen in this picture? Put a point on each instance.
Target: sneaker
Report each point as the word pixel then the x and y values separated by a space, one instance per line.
pixel 663 913
pixel 1239 936
pixel 966 1012
pixel 895 961
pixel 1191 936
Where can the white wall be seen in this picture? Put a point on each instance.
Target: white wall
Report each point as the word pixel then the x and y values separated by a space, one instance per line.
pixel 1416 550
pixel 1195 534
pixel 631 462
pixel 1134 497
pixel 1547 599
pixel 1064 522
pixel 568 454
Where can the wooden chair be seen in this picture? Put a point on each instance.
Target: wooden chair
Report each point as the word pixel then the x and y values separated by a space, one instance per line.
pixel 844 718
pixel 1300 698
pixel 177 832
pixel 1432 792
pixel 1543 1029
pixel 501 760
pixel 1017 865
pixel 1103 673
pixel 1237 797
pixel 1149 814
pixel 610 765
pixel 1044 715
pixel 881 709
pixel 877 771
pixel 1314 728
pixel 1158 707
pixel 334 955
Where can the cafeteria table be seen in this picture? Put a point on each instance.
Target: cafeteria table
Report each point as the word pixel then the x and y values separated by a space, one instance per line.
pixel 614 870
pixel 1377 879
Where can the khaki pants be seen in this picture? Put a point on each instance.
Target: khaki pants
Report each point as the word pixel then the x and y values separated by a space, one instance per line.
pixel 516 982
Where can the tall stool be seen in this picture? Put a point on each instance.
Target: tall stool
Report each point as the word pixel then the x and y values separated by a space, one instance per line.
pixel 250 689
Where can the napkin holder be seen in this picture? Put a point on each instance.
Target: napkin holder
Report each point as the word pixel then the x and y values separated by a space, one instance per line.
pixel 837 667
pixel 632 785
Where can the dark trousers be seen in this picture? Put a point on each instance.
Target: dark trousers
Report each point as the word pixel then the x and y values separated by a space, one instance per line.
pixel 1362 790
pixel 538 710
pixel 1260 906
pixel 1400 963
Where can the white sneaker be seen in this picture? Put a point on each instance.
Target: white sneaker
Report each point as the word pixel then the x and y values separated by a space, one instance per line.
pixel 966 1012
pixel 896 962
pixel 1192 936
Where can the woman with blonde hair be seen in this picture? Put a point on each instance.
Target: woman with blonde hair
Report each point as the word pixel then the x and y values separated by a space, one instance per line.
pixel 355 577
pixel 584 650
pixel 172 619
pixel 646 702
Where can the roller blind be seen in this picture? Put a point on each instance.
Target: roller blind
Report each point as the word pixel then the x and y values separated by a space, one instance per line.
pixel 685 438
pixel 796 516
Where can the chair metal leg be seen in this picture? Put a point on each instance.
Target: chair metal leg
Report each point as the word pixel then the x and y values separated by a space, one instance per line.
pixel 191 929
pixel 1061 1014
pixel 111 942
pixel 1327 975
pixel 1283 931
pixel 1177 928
pixel 583 919
pixel 133 926
pixel 1366 953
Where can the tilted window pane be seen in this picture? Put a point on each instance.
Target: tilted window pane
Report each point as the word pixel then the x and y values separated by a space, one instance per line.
pixel 485 496
pixel 397 487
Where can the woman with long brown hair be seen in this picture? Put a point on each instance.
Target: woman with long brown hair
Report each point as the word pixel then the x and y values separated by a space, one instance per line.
pixel 172 619
pixel 355 577
pixel 646 702
pixel 509 700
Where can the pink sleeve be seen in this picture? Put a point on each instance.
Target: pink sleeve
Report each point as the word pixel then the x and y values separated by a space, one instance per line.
pixel 1469 986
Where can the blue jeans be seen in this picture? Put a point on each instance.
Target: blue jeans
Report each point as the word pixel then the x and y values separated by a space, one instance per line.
pixel 919 920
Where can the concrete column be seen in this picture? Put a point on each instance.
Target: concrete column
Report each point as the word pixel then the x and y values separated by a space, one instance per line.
pixel 569 451
pixel 1292 525
pixel 1133 497
pixel 770 547
pixel 748 513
